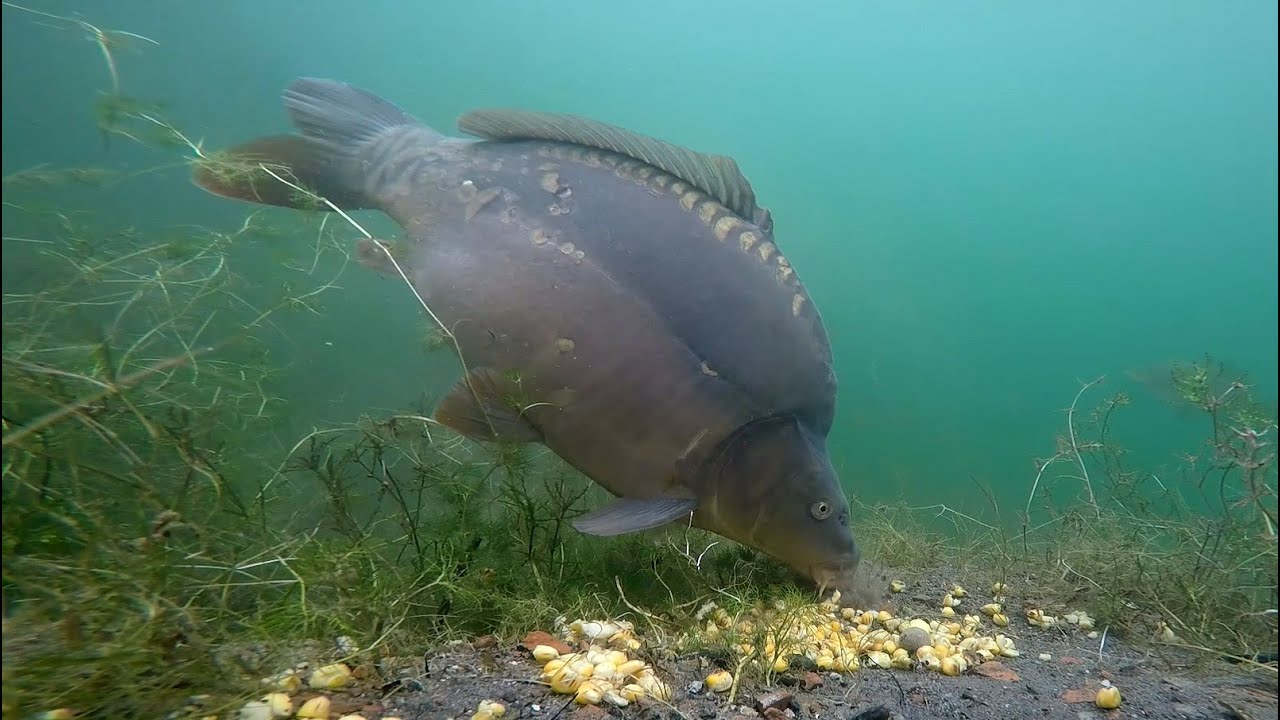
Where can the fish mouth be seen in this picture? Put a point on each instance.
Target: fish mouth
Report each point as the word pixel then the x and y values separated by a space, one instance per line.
pixel 839 575
pixel 835 575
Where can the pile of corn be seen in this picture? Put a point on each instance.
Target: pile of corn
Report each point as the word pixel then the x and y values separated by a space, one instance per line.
pixel 827 636
pixel 603 673
pixel 843 639
pixel 279 703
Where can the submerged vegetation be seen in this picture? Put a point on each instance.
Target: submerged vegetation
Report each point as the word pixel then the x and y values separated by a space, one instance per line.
pixel 1188 562
pixel 156 546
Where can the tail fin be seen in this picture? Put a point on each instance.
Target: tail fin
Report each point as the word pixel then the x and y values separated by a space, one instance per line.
pixel 338 123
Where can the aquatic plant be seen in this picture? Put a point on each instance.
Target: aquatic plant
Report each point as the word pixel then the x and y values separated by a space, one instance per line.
pixel 1188 562
pixel 1197 553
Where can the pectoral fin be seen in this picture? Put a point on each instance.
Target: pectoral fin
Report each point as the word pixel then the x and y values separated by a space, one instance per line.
pixel 486 405
pixel 626 515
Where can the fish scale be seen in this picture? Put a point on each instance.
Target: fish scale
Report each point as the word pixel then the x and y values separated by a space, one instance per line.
pixel 624 434
pixel 729 294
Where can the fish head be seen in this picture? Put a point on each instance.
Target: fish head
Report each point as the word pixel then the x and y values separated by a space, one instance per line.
pixel 777 491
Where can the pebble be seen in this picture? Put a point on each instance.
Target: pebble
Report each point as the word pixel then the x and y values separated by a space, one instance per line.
pixel 777 700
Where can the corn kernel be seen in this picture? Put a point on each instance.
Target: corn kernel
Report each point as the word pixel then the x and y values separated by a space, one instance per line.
pixel 719 681
pixel 1108 698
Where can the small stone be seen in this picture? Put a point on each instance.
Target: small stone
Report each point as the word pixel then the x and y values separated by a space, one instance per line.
pixel 776 700
pixel 346 645
pixel 913 639
pixel 880 712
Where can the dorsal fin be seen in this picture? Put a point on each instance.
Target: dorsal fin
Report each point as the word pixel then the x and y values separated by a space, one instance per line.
pixel 716 175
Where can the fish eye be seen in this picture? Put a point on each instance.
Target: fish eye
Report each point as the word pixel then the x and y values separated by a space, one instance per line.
pixel 820 510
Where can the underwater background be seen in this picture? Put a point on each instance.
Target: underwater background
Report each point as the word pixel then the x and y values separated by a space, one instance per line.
pixel 990 202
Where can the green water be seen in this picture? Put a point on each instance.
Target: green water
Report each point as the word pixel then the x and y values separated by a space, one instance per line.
pixel 988 201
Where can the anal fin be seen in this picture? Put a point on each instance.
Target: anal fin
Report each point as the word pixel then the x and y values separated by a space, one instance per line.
pixel 486 405
pixel 627 515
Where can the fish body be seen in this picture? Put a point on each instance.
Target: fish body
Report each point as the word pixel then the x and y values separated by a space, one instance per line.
pixel 617 299
pixel 599 376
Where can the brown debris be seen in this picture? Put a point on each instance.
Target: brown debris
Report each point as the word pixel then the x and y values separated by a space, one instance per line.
pixel 538 637
pixel 1084 694
pixel 810 680
pixel 339 705
pixel 996 671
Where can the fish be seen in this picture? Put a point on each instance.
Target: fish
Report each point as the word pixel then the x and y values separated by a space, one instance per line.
pixel 616 298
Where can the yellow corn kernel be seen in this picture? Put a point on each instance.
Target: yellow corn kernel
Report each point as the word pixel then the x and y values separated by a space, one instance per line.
pixel 280 703
pixel 545 653
pixel 719 681
pixel 330 677
pixel 879 659
pixel 954 665
pixel 630 668
pixel 317 708
pixel 588 694
pixel 1108 698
